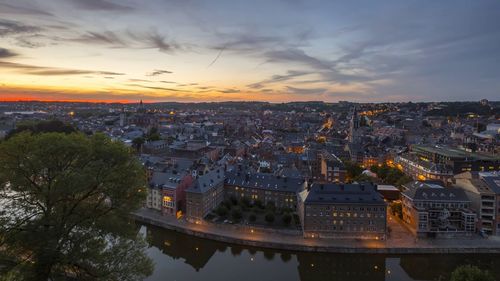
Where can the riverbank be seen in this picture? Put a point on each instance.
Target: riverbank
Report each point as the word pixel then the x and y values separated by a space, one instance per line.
pixel 399 242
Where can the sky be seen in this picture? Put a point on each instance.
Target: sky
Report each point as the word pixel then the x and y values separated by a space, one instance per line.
pixel 259 50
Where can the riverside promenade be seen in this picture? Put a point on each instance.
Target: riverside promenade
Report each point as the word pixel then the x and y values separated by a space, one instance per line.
pixel 400 241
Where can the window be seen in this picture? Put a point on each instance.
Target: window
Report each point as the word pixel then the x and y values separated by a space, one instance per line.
pixel 168 202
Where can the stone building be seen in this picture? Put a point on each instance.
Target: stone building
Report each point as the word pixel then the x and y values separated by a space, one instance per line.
pixel 342 210
pixel 267 188
pixel 205 194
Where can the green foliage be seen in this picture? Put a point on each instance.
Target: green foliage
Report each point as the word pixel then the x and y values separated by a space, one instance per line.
pixel 245 202
pixel 236 213
pixel 153 134
pixel 270 206
pixel 67 200
pixel 390 175
pixel 37 127
pixel 397 209
pixel 269 217
pixel 221 210
pixel 470 273
pixel 252 217
pixel 138 142
pixel 287 218
pixel 353 170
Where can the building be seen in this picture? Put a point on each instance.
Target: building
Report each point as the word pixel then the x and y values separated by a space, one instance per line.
pixel 167 192
pixel 205 194
pixel 483 189
pixel 267 188
pixel 459 160
pixel 342 210
pixel 420 169
pixel 332 168
pixel 434 211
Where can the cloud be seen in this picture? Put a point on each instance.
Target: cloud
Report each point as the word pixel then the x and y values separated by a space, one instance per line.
pixel 129 39
pixel 49 71
pixel 304 91
pixel 12 9
pixel 106 5
pixel 158 72
pixel 155 88
pixel 5 53
pixel 106 38
pixel 8 28
pixel 291 74
pixel 160 42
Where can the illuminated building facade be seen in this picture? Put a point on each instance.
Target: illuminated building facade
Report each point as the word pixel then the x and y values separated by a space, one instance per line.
pixel 342 210
pixel 267 188
pixel 205 194
pixel 434 211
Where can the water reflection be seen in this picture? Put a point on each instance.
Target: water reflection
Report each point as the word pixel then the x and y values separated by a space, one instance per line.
pixel 182 257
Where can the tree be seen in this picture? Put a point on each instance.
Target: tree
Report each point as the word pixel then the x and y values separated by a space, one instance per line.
pixel 353 170
pixel 397 209
pixel 221 210
pixel 138 142
pixel 269 217
pixel 37 127
pixel 287 218
pixel 153 134
pixel 252 217
pixel 236 213
pixel 66 202
pixel 470 273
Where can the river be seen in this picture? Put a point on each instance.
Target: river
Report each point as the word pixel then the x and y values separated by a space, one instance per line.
pixel 180 257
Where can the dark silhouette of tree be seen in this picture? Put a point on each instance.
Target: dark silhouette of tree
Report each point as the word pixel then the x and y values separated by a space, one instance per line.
pixel 470 273
pixel 37 127
pixel 66 202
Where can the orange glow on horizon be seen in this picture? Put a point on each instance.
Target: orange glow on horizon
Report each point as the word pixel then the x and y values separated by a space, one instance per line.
pixel 42 99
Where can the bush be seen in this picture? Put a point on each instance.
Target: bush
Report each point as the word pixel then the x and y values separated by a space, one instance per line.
pixel 245 202
pixel 236 213
pixel 252 217
pixel 287 218
pixel 221 211
pixel 271 206
pixel 470 273
pixel 269 217
pixel 228 204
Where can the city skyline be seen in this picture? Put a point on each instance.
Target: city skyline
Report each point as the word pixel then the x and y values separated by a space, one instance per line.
pixel 279 51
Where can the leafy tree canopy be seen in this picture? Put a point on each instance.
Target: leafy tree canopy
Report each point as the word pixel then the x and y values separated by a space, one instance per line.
pixel 66 200
pixel 37 127
pixel 470 273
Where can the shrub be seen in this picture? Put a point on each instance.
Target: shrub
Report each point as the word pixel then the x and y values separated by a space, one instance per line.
pixel 269 217
pixel 470 273
pixel 221 210
pixel 236 213
pixel 252 217
pixel 287 218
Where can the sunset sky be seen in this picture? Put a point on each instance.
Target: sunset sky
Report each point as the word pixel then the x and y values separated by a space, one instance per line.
pixel 283 50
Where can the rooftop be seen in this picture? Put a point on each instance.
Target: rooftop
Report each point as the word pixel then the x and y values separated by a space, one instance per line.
pixel 343 194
